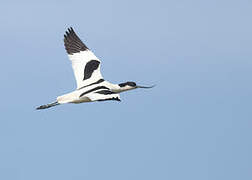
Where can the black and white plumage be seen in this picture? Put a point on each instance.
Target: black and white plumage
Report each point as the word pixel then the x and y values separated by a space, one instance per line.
pixel 90 84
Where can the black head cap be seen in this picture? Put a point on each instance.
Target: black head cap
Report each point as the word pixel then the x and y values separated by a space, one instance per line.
pixel 132 84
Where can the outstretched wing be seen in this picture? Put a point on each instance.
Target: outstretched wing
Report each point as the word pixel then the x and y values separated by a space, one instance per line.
pixel 85 64
pixel 103 95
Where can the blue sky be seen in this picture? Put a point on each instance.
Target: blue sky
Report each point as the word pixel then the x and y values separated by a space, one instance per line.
pixel 195 124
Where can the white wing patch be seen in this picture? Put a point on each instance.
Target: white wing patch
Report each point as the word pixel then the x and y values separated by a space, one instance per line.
pixel 85 64
pixel 79 62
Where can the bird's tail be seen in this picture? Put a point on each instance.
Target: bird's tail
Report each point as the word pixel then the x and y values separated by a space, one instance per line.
pixel 48 105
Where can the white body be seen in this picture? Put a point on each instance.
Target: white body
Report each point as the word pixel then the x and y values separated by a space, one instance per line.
pixel 74 97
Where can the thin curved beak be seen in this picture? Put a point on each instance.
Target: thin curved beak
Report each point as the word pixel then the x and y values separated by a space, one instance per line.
pixel 145 86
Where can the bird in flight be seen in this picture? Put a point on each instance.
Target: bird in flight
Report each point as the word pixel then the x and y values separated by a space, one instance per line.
pixel 90 84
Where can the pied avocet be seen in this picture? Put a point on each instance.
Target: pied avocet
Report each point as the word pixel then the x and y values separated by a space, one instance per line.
pixel 90 84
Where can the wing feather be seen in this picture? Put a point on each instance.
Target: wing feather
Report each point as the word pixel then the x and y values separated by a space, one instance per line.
pixel 85 64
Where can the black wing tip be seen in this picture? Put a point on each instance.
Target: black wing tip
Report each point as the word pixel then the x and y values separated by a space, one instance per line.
pixel 69 30
pixel 72 42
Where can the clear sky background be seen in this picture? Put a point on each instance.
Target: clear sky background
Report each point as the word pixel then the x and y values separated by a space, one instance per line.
pixel 194 125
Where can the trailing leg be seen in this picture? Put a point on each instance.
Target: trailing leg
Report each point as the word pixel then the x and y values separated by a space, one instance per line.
pixel 48 105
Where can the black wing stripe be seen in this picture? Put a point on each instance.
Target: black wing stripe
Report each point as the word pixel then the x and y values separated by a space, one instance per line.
pixel 97 82
pixel 108 99
pixel 105 92
pixel 72 42
pixel 94 89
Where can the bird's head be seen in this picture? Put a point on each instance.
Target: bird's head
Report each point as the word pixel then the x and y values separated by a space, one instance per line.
pixel 131 85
